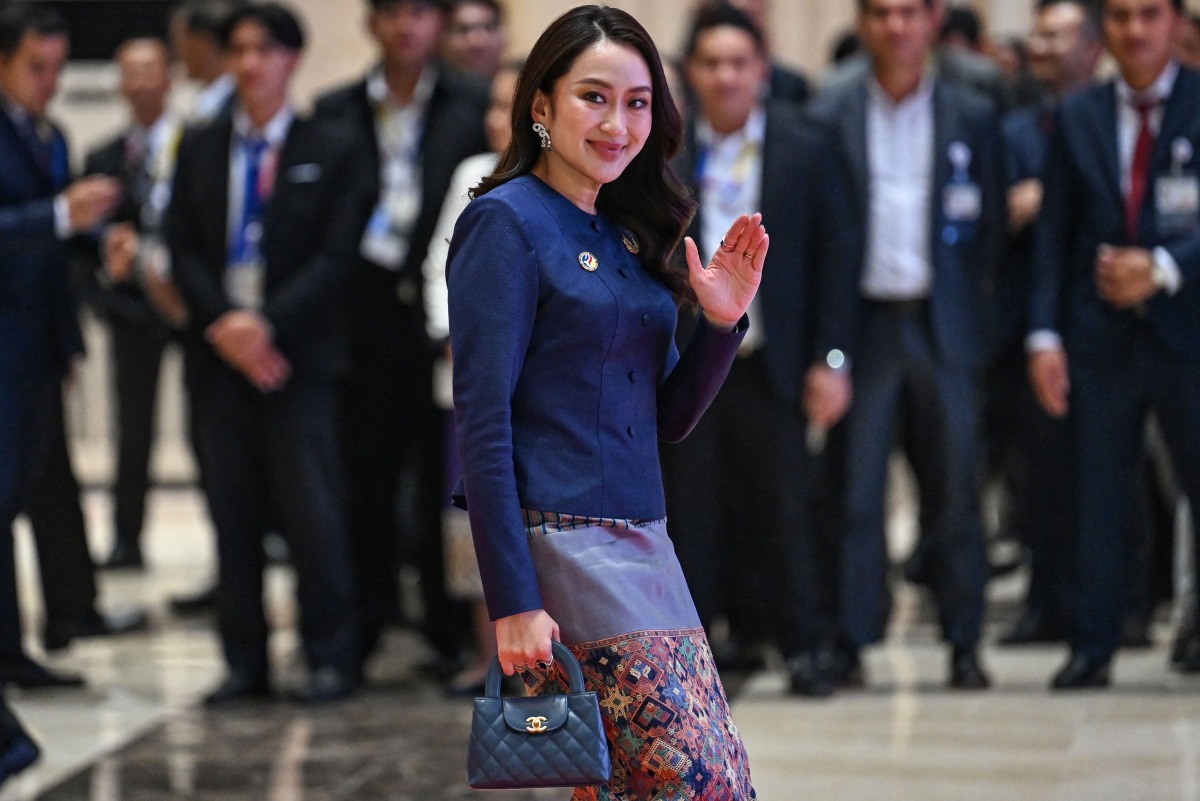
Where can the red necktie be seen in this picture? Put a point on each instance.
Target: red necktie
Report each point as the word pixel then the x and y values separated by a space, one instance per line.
pixel 1139 170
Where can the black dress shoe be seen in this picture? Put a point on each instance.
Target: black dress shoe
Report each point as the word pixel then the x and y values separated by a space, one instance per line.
pixel 29 675
pixel 736 655
pixel 199 603
pixel 845 670
pixel 1082 673
pixel 327 684
pixel 1030 629
pixel 1135 632
pixel 1185 653
pixel 807 679
pixel 966 672
pixel 125 555
pixel 239 687
pixel 17 749
pixel 59 633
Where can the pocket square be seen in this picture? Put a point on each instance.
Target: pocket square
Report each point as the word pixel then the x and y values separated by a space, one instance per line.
pixel 303 173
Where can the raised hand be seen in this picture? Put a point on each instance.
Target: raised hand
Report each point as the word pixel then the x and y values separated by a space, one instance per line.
pixel 727 285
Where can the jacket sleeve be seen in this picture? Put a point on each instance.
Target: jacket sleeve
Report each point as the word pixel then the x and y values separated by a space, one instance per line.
pixel 203 295
pixel 696 377
pixel 837 255
pixel 28 225
pixel 493 292
pixel 1053 237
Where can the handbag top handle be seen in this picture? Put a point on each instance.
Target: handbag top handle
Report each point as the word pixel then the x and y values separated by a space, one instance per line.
pixel 564 657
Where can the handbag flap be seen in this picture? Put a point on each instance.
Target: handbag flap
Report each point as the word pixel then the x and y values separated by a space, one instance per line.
pixel 538 715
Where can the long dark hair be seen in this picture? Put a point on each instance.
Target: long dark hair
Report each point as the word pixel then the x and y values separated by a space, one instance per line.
pixel 647 199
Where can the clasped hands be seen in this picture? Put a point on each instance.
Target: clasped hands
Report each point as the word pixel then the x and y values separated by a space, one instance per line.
pixel 727 285
pixel 244 339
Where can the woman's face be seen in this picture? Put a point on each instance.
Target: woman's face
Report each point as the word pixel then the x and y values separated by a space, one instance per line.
pixel 598 117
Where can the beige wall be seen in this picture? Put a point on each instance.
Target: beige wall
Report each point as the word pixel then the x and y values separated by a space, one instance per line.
pixel 802 31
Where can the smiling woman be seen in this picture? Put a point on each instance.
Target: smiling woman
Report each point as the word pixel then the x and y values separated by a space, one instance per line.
pixel 562 316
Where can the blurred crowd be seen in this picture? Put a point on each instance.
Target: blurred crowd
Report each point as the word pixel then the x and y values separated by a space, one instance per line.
pixel 984 258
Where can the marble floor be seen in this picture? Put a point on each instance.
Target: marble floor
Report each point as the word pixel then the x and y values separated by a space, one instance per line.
pixel 137 733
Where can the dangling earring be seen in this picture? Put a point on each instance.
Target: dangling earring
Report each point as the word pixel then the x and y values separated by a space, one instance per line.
pixel 543 134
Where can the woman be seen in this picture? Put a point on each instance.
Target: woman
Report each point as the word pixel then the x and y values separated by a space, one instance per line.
pixel 562 315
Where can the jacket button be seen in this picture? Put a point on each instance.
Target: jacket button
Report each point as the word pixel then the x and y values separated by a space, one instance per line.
pixel 595 226
pixel 632 377
pixel 646 319
pixel 624 271
pixel 630 431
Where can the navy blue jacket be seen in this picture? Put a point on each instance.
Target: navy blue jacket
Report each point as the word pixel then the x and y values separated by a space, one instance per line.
pixel 964 261
pixel 1083 207
pixel 564 379
pixel 39 327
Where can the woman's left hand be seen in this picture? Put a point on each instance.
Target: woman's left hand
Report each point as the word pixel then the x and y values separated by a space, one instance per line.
pixel 727 285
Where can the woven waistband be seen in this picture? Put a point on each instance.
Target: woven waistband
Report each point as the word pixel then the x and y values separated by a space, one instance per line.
pixel 549 522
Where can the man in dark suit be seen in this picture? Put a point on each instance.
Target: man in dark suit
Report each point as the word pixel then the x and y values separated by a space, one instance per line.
pixel 263 222
pixel 1031 450
pixel 412 123
pixel 738 487
pixel 782 83
pixel 1115 318
pixel 39 209
pixel 133 292
pixel 929 217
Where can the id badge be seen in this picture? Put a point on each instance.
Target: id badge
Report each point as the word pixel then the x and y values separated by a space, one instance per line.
pixel 380 243
pixel 962 202
pixel 244 284
pixel 1177 203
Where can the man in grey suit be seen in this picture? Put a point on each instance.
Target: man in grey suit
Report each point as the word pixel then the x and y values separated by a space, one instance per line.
pixel 926 182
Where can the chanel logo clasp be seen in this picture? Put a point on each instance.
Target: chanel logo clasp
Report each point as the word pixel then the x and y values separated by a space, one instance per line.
pixel 537 725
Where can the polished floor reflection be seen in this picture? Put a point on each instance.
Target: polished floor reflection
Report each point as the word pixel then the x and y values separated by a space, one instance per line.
pixel 137 733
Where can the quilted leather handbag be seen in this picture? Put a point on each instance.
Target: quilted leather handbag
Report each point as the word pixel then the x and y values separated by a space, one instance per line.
pixel 544 741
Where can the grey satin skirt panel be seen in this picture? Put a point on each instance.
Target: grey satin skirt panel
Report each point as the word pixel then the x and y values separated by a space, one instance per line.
pixel 601 578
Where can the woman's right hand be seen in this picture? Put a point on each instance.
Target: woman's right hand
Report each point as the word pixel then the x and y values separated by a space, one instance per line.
pixel 523 639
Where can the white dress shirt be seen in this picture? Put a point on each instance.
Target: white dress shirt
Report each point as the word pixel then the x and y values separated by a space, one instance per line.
pixel 900 169
pixel 212 99
pixel 274 132
pixel 730 176
pixel 398 130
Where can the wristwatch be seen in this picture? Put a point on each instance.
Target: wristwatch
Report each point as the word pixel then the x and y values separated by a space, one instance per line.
pixel 837 361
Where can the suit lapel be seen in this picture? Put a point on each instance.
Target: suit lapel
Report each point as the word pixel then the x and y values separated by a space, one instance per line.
pixel 687 164
pixel 214 189
pixel 1102 128
pixel 8 129
pixel 856 144
pixel 945 131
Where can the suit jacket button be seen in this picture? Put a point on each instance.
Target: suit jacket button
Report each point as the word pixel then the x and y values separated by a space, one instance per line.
pixel 632 377
pixel 624 271
pixel 630 431
pixel 646 319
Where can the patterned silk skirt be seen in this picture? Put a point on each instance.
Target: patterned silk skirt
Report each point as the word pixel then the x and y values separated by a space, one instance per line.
pixel 619 597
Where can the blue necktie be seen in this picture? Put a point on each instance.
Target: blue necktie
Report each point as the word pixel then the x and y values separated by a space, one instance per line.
pixel 245 246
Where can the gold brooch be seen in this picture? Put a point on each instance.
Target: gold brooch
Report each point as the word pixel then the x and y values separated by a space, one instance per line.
pixel 588 262
pixel 631 244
